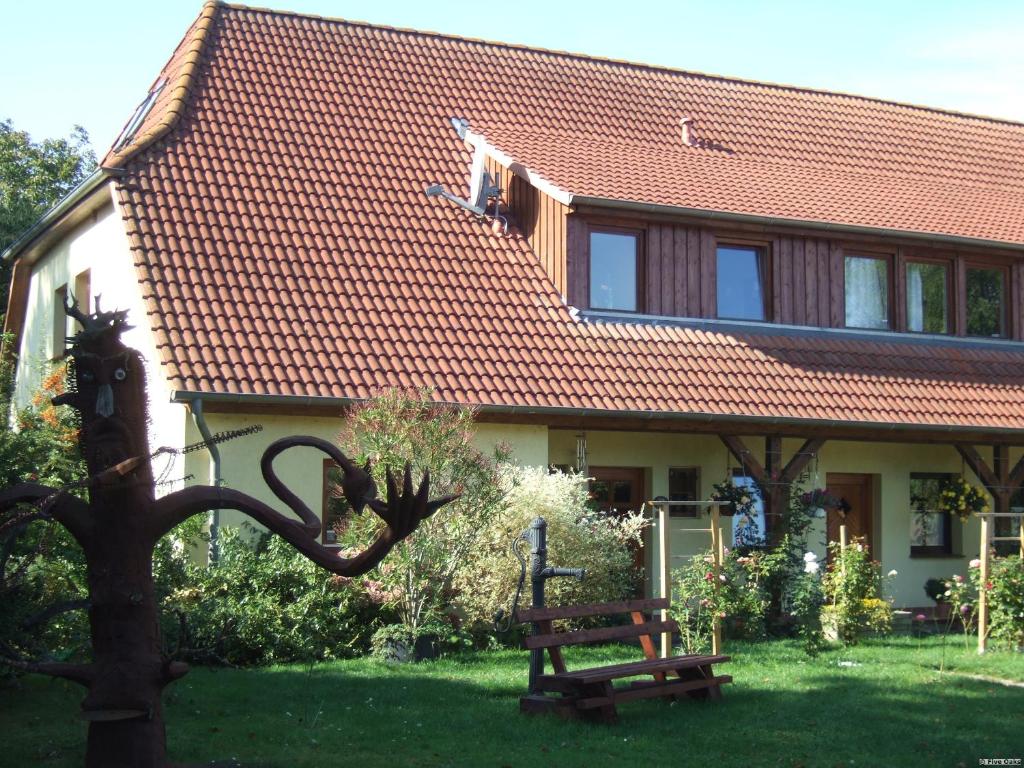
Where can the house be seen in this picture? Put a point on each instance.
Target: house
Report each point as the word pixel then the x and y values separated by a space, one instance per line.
pixel 689 277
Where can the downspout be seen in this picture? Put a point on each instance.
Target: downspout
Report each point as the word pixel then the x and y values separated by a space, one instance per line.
pixel 204 430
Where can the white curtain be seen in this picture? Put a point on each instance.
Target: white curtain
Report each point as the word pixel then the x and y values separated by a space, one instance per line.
pixel 915 299
pixel 867 293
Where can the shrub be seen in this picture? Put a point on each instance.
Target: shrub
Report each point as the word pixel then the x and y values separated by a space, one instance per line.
pixel 42 569
pixel 577 537
pixel 1005 593
pixel 853 591
pixel 740 600
pixel 400 427
pixel 264 603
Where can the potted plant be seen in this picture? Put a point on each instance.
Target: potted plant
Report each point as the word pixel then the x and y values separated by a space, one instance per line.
pixel 960 498
pixel 740 498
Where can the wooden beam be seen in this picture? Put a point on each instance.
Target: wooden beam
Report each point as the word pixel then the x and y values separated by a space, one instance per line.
pixel 745 457
pixel 1017 474
pixel 978 466
pixel 802 458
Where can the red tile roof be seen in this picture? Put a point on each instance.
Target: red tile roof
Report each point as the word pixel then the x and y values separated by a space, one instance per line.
pixel 274 202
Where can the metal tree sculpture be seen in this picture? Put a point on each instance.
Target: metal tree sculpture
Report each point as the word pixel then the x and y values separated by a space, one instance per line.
pixel 122 522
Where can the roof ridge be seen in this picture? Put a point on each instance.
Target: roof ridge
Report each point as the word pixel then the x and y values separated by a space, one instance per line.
pixel 179 90
pixel 624 62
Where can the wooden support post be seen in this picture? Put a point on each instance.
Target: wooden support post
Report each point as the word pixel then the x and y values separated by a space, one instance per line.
pixel 842 546
pixel 717 549
pixel 665 553
pixel 982 597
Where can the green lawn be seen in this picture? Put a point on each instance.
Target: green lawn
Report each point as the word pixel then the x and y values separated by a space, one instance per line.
pixel 891 707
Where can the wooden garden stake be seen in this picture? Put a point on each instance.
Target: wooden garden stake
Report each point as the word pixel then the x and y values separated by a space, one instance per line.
pixel 717 553
pixel 982 596
pixel 665 553
pixel 842 547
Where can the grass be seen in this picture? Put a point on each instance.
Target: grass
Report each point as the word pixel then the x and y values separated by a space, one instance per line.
pixel 884 702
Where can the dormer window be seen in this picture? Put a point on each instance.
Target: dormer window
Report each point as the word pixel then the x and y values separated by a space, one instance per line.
pixel 740 273
pixel 868 285
pixel 927 297
pixel 614 265
pixel 986 302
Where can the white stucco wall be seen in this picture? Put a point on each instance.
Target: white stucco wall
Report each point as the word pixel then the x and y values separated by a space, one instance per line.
pixel 100 246
pixel 890 463
pixel 301 469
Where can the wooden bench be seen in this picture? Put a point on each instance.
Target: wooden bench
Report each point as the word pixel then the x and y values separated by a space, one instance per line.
pixel 591 692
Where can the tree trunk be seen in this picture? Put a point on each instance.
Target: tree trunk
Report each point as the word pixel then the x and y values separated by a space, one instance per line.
pixel 126 726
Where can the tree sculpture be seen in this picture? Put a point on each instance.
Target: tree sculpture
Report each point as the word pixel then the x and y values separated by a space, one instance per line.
pixel 122 521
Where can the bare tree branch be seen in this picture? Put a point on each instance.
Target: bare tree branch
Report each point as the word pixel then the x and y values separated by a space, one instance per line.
pixel 83 674
pixel 53 611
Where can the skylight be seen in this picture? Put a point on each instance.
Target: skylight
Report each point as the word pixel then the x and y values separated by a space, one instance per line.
pixel 140 114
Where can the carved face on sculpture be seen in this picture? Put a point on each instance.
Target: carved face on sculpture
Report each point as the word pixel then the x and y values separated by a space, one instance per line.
pixel 107 389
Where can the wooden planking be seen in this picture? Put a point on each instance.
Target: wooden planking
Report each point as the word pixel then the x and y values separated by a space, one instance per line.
pixel 578 290
pixel 591 609
pixel 653 272
pixel 668 269
pixel 599 635
pixel 692 305
pixel 824 284
pixel 708 270
pixel 646 667
pixel 540 218
pixel 799 295
pixel 679 283
pixel 837 270
pixel 651 690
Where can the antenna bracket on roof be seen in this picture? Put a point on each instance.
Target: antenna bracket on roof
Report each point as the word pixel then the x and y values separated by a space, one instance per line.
pixel 488 190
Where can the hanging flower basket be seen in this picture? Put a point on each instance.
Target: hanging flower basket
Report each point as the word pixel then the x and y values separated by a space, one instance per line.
pixel 741 497
pixel 816 501
pixel 960 498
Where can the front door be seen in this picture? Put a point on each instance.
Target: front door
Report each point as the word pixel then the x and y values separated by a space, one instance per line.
pixel 856 509
pixel 618 490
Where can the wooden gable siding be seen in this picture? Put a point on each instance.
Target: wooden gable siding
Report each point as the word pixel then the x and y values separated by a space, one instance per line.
pixel 806 281
pixel 539 217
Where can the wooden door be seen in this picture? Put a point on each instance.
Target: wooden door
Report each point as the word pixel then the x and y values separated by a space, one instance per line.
pixel 618 490
pixel 855 493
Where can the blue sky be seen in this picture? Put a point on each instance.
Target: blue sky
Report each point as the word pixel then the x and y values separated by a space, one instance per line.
pixel 90 63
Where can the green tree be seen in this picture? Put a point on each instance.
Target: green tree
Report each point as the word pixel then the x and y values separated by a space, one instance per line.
pixel 33 177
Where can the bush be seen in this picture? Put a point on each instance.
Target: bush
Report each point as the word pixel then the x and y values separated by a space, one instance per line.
pixel 578 537
pixel 42 569
pixel 740 600
pixel 400 427
pixel 1006 602
pixel 853 590
pixel 263 603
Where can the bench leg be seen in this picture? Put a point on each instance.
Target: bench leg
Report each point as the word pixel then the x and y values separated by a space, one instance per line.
pixel 609 714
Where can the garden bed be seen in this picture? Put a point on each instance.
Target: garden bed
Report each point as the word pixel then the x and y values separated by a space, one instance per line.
pixel 887 703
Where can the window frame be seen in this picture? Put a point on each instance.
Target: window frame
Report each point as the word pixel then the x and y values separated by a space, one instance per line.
pixel 59 330
pixel 639 234
pixel 685 512
pixel 764 257
pixel 890 259
pixel 969 264
pixel 950 267
pixel 933 550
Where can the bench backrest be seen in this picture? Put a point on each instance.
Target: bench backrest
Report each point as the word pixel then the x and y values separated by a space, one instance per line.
pixel 641 628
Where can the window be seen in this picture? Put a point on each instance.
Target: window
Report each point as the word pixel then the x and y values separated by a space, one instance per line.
pixel 335 508
pixel 83 291
pixel 749 530
pixel 683 485
pixel 986 302
pixel 930 530
pixel 867 292
pixel 60 323
pixel 927 297
pixel 614 262
pixel 741 283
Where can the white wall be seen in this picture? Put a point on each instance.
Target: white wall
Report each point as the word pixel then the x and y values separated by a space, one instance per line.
pixel 100 246
pixel 890 463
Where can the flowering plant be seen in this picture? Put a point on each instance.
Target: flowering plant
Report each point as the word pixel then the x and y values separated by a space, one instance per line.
pixel 819 497
pixel 960 498
pixel 742 497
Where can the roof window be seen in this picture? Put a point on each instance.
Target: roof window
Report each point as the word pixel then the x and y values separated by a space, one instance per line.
pixel 140 114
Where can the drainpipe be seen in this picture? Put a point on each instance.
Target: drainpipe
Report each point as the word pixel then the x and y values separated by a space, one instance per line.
pixel 204 430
